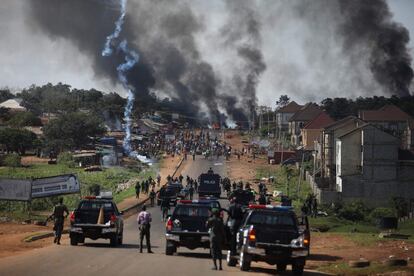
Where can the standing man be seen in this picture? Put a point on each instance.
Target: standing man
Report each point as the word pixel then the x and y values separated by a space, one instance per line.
pixel 59 218
pixel 158 180
pixel 137 189
pixel 217 236
pixel 144 225
pixel 191 191
pixel 152 196
pixel 235 218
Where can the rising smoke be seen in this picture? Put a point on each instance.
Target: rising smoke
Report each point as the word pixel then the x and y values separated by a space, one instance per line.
pixel 214 65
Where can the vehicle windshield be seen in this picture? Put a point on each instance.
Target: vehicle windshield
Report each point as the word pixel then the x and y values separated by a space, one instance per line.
pixel 95 205
pixel 192 211
pixel 272 219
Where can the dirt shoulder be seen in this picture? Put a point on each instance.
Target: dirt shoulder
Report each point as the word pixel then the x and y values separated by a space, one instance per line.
pixel 12 234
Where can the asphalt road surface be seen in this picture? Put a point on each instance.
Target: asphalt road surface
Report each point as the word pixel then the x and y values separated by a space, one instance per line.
pixel 98 258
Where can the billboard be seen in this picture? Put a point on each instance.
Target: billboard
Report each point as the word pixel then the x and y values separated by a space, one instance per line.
pixel 55 185
pixel 15 189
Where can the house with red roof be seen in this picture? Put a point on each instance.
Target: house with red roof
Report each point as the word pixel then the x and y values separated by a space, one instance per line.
pixel 302 117
pixel 389 118
pixel 312 131
pixel 283 115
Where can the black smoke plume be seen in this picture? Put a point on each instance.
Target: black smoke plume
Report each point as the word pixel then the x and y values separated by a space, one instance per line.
pixel 369 23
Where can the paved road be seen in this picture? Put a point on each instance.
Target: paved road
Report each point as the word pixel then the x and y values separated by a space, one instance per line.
pixel 97 258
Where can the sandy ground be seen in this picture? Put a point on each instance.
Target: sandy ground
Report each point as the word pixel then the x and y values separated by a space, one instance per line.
pixel 12 234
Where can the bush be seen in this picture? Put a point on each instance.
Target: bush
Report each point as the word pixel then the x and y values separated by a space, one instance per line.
pixel 381 212
pixel 94 189
pixel 353 211
pixel 12 160
pixel 66 158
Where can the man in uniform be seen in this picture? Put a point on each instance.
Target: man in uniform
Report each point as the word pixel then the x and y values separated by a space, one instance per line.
pixel 217 236
pixel 59 218
pixel 144 224
pixel 235 217
pixel 191 191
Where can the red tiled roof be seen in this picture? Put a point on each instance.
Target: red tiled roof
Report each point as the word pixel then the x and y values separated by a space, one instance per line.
pixel 320 121
pixel 386 113
pixel 306 113
pixel 291 107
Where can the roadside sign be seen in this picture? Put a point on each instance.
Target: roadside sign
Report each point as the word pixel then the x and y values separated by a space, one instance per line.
pixel 55 185
pixel 15 189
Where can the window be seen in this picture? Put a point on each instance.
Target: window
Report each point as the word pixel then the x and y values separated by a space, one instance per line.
pixel 272 219
pixel 192 211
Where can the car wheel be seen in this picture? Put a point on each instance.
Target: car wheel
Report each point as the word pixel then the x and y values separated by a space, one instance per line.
pixel 114 241
pixel 170 249
pixel 81 240
pixel 120 239
pixel 231 261
pixel 244 261
pixel 281 267
pixel 73 241
pixel 297 269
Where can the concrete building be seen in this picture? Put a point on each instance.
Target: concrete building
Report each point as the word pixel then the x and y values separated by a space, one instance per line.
pixel 368 167
pixel 408 136
pixel 303 116
pixel 312 131
pixel 283 115
pixel 327 161
pixel 388 118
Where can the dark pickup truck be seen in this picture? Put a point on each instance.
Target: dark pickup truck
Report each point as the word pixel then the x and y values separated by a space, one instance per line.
pixel 187 227
pixel 272 234
pixel 96 218
pixel 170 193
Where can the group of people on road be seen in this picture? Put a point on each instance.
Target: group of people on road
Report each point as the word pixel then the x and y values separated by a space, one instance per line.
pixel 145 186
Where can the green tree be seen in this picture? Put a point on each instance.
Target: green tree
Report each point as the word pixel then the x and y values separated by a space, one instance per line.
pixel 283 101
pixel 22 119
pixel 17 140
pixel 72 130
pixel 5 94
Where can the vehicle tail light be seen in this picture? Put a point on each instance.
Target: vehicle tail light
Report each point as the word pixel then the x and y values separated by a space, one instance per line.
pixel 306 239
pixel 169 224
pixel 72 217
pixel 252 235
pixel 113 218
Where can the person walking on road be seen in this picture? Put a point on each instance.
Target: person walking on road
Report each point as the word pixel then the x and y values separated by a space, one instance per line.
pixel 191 192
pixel 217 236
pixel 137 189
pixel 144 224
pixel 152 197
pixel 60 212
pixel 165 207
pixel 158 180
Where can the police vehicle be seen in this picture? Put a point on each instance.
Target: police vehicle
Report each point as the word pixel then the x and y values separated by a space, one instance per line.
pixel 96 217
pixel 187 226
pixel 209 184
pixel 272 234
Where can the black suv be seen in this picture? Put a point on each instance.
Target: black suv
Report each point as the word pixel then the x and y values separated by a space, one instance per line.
pixel 85 221
pixel 272 234
pixel 187 227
